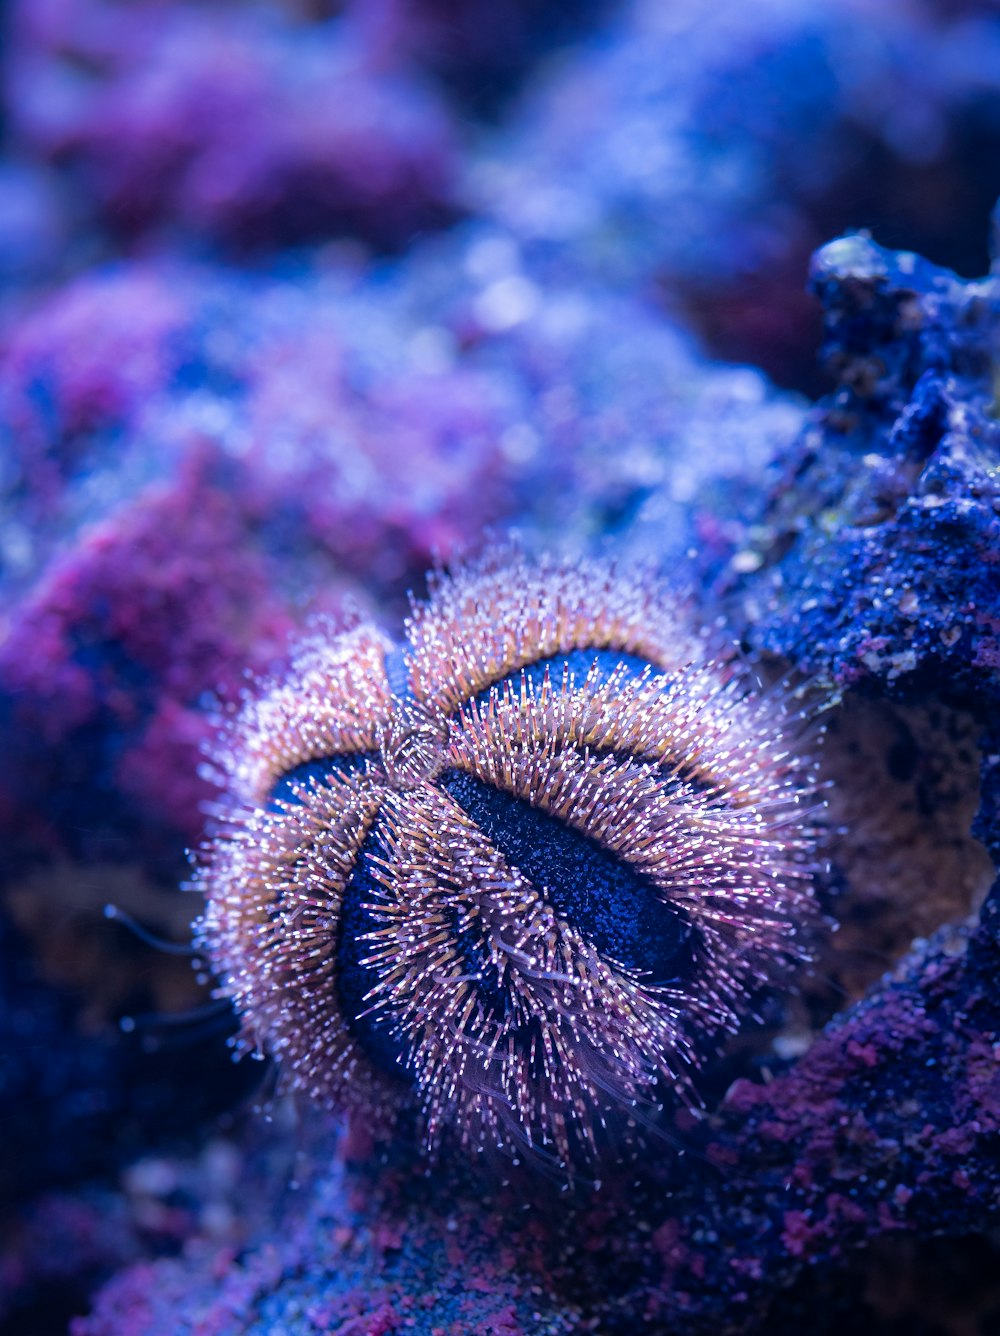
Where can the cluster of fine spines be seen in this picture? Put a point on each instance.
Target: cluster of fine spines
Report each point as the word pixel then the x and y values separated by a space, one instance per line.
pixel 503 612
pixel 593 1029
pixel 517 874
pixel 332 701
pixel 275 881
pixel 681 781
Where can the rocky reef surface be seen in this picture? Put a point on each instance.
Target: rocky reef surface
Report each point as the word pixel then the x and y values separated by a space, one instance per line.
pixel 880 1126
pixel 703 154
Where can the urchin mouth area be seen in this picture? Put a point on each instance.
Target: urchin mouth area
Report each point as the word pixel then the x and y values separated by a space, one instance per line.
pixel 412 746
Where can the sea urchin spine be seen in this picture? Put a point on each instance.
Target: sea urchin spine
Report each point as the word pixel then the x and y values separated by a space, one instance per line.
pixel 517 872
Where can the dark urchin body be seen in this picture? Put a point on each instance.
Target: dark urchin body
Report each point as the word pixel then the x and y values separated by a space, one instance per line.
pixel 517 873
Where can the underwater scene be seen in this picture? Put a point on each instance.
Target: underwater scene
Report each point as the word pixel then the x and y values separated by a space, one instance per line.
pixel 499 668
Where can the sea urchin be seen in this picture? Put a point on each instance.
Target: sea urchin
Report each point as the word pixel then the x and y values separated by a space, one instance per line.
pixel 517 872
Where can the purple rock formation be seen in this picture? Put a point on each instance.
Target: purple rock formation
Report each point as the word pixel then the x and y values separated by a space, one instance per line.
pixel 876 562
pixel 235 126
pixel 707 152
pixel 78 371
pixel 61 1244
pixel 888 1124
pixel 106 663
pixel 611 423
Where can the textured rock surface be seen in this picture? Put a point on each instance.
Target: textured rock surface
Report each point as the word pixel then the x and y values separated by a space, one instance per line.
pixel 876 562
pixel 194 459
pixel 888 1124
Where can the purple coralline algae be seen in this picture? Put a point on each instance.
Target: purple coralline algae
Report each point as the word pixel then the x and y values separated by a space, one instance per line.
pixel 78 371
pixel 106 660
pixel 305 391
pixel 239 125
pixel 62 1243
pixel 614 429
pixel 483 326
pixel 310 438
pixel 887 1127
pixel 58 1247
